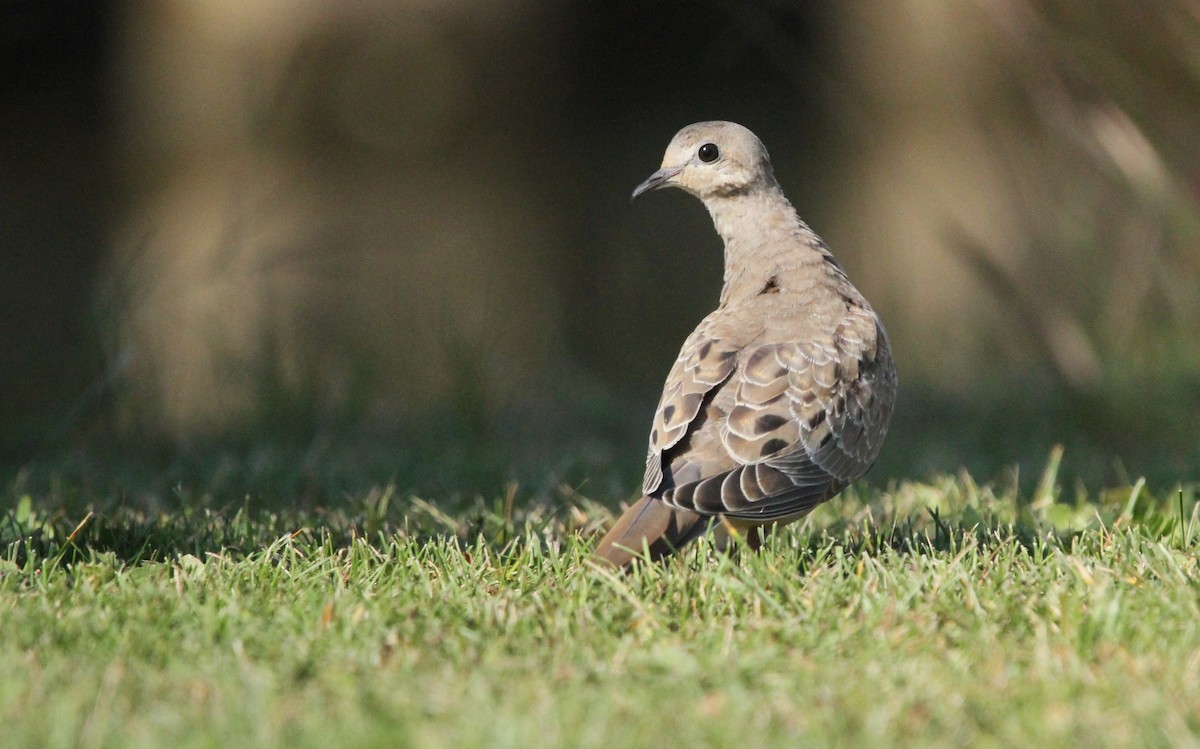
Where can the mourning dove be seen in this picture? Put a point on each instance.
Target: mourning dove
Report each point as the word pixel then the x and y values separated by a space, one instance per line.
pixel 779 398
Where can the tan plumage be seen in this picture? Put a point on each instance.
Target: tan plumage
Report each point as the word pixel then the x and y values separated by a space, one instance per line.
pixel 782 395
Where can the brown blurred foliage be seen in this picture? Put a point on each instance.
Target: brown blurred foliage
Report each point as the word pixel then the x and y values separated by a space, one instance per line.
pixel 1037 184
pixel 379 209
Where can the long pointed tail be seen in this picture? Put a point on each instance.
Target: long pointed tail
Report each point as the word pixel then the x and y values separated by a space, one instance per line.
pixel 648 524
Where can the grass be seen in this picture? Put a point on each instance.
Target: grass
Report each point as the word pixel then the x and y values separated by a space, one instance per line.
pixel 926 614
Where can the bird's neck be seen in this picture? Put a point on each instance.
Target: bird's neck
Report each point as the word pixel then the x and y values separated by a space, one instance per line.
pixel 767 245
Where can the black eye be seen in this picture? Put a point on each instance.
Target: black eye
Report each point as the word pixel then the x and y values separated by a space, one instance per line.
pixel 708 153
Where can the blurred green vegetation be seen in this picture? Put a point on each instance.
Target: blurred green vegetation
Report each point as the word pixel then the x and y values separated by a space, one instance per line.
pixel 399 241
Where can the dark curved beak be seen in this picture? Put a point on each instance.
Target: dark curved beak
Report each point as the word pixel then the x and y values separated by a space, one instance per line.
pixel 661 178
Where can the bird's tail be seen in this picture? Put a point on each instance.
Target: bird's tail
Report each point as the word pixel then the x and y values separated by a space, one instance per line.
pixel 648 525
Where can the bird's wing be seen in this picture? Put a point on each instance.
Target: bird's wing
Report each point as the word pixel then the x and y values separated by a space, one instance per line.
pixel 807 418
pixel 705 361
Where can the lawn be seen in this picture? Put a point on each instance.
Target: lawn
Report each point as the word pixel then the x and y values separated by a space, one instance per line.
pixel 942 613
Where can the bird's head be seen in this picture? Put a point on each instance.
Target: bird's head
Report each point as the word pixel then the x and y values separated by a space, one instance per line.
pixel 713 159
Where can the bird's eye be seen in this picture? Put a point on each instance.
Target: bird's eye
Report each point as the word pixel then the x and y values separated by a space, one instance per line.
pixel 708 153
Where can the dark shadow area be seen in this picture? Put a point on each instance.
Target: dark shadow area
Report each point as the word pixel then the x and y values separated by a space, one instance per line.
pixel 56 203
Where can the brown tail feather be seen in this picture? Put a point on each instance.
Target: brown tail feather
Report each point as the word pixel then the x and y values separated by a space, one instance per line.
pixel 647 524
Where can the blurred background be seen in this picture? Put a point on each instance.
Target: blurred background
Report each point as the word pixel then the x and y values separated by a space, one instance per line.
pixel 403 228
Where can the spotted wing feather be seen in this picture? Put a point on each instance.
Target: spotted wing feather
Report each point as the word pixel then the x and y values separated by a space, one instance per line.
pixel 704 363
pixel 807 418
